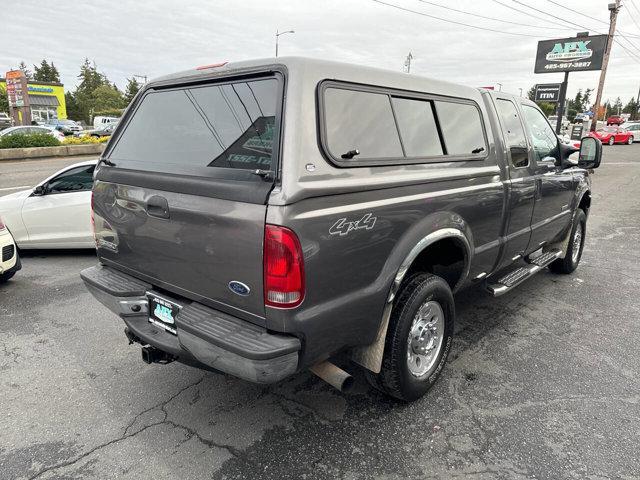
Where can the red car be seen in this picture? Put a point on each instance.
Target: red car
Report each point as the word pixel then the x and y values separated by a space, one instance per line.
pixel 615 120
pixel 613 135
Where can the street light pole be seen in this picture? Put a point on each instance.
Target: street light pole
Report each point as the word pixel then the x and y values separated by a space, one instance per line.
pixel 278 36
pixel 499 86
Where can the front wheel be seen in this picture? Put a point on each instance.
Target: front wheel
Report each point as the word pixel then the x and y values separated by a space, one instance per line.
pixel 612 140
pixel 5 277
pixel 418 339
pixel 576 244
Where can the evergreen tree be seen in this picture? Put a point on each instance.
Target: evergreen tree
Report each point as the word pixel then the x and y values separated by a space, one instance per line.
pixel 631 108
pixel 55 75
pixel 42 72
pixel 133 87
pixel 27 72
pixel 46 72
pixel 617 107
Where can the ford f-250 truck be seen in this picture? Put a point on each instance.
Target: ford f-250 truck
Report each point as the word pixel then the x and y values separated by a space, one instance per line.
pixel 294 209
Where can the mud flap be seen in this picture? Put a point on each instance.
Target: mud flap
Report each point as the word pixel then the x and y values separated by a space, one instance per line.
pixel 370 356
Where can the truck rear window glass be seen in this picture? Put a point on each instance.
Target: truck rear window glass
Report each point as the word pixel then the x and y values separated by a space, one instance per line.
pixel 223 125
pixel 461 127
pixel 361 121
pixel 417 127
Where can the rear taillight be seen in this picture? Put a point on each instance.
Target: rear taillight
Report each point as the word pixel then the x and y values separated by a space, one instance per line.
pixel 283 268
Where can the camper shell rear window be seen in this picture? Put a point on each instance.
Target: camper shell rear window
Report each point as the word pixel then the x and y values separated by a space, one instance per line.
pixel 200 129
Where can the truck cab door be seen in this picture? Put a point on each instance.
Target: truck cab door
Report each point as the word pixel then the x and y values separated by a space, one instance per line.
pixel 554 185
pixel 521 184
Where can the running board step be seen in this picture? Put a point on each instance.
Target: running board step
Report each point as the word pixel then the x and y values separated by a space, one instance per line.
pixel 520 274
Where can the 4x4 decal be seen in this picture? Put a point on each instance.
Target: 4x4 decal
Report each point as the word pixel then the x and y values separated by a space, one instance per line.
pixel 342 227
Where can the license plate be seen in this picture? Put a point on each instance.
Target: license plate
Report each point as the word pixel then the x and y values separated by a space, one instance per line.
pixel 163 313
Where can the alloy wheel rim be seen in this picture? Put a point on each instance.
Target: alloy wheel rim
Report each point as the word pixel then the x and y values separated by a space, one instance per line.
pixel 425 338
pixel 577 241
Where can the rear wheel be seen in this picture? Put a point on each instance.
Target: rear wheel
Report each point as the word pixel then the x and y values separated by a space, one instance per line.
pixel 418 339
pixel 612 140
pixel 576 244
pixel 630 141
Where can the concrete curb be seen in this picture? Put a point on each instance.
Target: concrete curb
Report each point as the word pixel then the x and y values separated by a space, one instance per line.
pixel 48 152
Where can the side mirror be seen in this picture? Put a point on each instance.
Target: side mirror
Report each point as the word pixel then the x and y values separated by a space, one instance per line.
pixel 590 153
pixel 39 190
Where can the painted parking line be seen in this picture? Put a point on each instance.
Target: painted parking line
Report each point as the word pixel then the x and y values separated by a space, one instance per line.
pixel 14 188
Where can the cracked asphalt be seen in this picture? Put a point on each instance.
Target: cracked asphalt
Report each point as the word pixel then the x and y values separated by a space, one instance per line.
pixel 541 383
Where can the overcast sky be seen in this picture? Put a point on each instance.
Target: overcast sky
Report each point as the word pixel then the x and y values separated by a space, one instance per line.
pixel 144 37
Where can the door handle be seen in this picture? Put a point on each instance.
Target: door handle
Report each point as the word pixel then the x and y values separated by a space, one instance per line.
pixel 158 206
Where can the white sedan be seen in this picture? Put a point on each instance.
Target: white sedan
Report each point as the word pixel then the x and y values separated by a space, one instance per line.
pixel 31 129
pixel 56 213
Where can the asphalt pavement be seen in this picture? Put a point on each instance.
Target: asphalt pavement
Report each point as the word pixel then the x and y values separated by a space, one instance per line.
pixel 541 383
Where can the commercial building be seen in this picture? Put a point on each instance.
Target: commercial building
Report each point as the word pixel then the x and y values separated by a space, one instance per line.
pixel 45 98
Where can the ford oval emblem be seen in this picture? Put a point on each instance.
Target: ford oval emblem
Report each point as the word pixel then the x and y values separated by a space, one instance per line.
pixel 239 288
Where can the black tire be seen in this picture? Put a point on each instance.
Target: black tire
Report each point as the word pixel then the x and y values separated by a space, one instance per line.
pixel 395 378
pixel 5 277
pixel 570 261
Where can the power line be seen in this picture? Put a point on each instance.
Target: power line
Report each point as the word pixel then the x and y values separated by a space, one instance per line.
pixel 528 14
pixel 550 15
pixel 452 21
pixel 576 11
pixel 581 26
pixel 482 16
pixel 632 18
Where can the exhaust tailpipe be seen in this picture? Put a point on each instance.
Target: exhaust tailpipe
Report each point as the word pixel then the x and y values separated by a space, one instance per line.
pixel 154 355
pixel 333 375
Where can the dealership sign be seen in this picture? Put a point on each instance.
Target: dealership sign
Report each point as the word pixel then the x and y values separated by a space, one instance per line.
pixel 548 92
pixel 571 54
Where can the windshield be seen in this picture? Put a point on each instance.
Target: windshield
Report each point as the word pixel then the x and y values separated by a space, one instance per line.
pixel 223 125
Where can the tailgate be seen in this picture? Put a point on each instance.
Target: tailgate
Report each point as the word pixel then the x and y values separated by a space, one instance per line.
pixel 181 200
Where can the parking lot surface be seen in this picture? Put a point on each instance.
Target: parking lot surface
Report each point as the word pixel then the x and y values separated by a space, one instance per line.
pixel 541 383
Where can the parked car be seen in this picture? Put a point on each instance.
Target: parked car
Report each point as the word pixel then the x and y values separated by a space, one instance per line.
pixel 32 129
pixel 102 120
pixel 5 121
pixel 612 135
pixel 272 224
pixel 102 131
pixel 65 126
pixel 56 213
pixel 9 258
pixel 634 129
pixel 615 120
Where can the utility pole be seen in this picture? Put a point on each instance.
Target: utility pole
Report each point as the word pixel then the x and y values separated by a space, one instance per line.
pixel 520 91
pixel 613 15
pixel 499 86
pixel 407 63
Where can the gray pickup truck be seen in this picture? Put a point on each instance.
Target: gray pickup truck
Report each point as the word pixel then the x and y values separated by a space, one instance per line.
pixel 293 209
